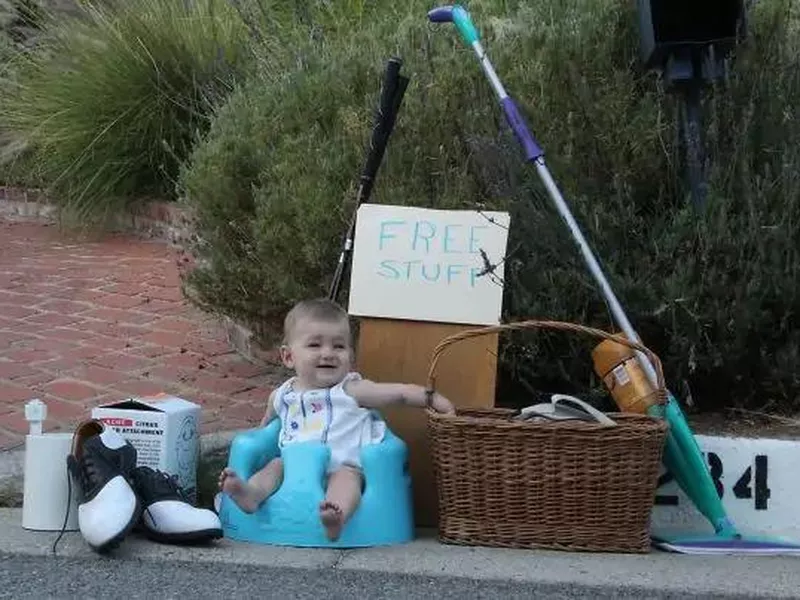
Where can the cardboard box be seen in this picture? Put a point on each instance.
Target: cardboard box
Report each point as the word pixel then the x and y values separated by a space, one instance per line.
pixel 164 429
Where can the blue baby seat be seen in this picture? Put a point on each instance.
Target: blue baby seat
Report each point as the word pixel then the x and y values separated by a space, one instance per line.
pixel 290 517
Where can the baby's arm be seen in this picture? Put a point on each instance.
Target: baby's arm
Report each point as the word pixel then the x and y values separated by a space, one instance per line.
pixel 270 413
pixel 378 395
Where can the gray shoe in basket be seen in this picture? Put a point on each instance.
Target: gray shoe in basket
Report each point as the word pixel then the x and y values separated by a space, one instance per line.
pixel 564 408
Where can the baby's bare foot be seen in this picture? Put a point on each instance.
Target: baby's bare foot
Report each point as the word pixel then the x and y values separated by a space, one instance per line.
pixel 332 520
pixel 242 493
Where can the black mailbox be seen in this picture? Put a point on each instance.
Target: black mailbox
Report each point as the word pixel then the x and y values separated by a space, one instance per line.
pixel 669 26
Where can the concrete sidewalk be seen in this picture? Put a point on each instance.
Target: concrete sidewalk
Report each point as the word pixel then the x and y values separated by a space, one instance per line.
pixel 441 566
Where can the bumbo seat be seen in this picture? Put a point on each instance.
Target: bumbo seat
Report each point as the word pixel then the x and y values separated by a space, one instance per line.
pixel 290 517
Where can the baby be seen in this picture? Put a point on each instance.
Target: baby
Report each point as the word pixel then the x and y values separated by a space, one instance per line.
pixel 325 402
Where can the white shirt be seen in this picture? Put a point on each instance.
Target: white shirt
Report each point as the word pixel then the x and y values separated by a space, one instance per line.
pixel 329 416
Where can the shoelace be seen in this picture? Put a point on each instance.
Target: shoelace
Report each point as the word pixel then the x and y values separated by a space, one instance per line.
pixel 160 482
pixel 66 512
pixel 86 472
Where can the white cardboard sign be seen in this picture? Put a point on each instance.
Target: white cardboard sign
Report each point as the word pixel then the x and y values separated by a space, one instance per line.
pixel 428 265
pixel 757 480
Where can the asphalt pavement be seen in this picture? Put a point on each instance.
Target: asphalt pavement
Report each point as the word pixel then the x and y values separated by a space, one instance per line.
pixel 37 578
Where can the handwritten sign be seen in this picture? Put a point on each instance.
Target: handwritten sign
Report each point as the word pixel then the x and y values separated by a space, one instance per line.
pixel 428 265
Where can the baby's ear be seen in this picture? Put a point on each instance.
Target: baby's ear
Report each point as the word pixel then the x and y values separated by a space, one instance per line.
pixel 286 356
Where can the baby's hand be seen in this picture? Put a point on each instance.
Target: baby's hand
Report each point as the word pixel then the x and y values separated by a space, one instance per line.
pixel 442 405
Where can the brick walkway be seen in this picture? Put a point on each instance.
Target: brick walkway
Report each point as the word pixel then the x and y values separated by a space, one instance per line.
pixel 87 322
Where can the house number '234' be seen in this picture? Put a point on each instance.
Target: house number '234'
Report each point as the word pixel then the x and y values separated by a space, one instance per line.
pixel 749 485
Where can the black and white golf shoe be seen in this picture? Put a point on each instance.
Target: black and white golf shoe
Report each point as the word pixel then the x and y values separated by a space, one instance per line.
pixel 167 515
pixel 101 463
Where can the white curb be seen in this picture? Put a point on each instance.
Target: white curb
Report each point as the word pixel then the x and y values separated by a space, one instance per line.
pixel 757 478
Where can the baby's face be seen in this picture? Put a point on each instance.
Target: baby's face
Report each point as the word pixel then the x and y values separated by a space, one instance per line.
pixel 319 352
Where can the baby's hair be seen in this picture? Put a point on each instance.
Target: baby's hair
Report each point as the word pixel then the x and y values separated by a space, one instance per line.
pixel 318 309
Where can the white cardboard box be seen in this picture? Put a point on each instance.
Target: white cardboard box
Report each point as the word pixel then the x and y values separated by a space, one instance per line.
pixel 163 429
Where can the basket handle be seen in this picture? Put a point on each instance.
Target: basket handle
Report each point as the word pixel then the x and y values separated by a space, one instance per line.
pixel 536 324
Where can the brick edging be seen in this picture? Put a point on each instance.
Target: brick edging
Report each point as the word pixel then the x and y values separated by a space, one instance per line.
pixel 25 203
pixel 242 340
pixel 155 218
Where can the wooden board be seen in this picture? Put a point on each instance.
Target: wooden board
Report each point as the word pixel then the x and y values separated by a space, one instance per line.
pixel 399 351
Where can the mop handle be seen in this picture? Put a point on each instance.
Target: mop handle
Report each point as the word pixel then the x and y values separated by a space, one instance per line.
pixel 469 33
pixel 461 18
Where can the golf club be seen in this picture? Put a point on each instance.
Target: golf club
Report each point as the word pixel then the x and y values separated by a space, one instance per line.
pixel 392 92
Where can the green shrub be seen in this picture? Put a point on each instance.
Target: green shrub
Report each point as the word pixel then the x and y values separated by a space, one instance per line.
pixel 19 19
pixel 20 22
pixel 714 294
pixel 113 96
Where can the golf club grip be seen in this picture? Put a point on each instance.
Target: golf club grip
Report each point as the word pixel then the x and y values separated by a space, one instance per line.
pixel 384 118
pixel 402 84
pixel 384 126
pixel 387 124
pixel 390 77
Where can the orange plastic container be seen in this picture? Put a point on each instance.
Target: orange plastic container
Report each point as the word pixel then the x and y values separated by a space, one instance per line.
pixel 623 376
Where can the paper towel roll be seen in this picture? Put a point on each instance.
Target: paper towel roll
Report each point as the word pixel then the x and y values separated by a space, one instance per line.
pixel 46 488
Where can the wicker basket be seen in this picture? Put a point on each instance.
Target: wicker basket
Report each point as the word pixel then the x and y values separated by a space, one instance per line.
pixel 566 485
